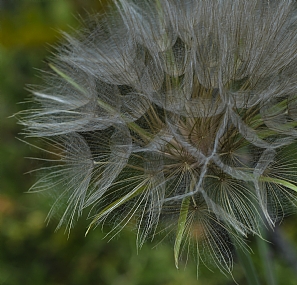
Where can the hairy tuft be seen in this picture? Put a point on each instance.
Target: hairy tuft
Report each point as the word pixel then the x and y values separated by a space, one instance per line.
pixel 175 116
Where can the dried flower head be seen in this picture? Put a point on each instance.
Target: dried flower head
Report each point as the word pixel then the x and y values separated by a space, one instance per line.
pixel 178 116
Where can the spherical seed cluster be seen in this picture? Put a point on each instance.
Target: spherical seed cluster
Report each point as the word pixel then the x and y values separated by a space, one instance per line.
pixel 176 115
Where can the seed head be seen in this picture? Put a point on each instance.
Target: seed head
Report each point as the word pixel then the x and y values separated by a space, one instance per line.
pixel 178 116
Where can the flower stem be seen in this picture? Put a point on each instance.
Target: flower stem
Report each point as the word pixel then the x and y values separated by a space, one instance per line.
pixel 267 263
pixel 248 266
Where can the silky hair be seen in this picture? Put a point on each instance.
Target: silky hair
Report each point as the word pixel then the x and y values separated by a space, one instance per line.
pixel 174 116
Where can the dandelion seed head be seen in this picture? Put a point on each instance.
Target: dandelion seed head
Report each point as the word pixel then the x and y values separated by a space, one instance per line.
pixel 178 116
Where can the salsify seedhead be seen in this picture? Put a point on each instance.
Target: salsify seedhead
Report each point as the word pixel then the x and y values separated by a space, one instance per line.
pixel 177 116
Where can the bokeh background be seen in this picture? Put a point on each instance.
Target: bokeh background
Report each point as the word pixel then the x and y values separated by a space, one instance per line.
pixel 31 251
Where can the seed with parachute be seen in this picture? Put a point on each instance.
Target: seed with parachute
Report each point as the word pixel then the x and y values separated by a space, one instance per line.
pixel 179 116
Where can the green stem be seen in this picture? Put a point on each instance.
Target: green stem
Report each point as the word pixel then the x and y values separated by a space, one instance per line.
pixel 267 263
pixel 248 266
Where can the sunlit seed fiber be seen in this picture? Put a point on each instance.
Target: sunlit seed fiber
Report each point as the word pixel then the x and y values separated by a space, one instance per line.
pixel 178 116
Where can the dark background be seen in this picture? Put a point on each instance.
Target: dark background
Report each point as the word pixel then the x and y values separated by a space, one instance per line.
pixel 31 252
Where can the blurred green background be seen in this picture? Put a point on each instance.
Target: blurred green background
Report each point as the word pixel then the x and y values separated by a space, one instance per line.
pixel 31 252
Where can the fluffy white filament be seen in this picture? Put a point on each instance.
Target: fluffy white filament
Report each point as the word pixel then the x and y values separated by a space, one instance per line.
pixel 177 115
